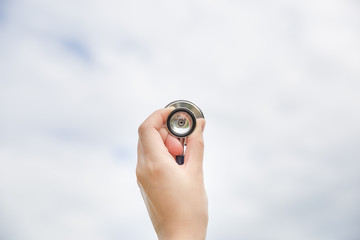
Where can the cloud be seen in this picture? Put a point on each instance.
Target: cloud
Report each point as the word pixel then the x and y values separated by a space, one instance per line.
pixel 277 82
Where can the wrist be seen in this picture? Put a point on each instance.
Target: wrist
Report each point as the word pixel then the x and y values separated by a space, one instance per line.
pixel 184 236
pixel 198 233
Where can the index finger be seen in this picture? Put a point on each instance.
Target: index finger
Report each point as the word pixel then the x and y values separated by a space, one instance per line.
pixel 155 120
pixel 150 133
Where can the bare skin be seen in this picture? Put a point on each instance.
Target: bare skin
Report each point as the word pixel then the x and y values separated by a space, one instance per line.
pixel 174 194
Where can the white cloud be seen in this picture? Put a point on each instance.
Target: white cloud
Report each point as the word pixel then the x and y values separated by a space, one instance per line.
pixel 277 81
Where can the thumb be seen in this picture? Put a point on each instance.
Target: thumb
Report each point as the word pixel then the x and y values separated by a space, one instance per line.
pixel 195 147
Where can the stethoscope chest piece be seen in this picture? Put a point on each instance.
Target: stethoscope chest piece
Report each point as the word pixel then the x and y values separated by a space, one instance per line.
pixel 181 122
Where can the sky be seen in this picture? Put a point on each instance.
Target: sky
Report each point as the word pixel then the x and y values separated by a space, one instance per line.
pixel 277 81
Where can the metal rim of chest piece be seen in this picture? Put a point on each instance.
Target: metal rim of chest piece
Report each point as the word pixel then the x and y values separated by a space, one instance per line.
pixel 187 108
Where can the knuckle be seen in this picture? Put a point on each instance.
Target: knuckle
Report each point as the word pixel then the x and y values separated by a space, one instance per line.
pixel 155 170
pixel 150 171
pixel 142 128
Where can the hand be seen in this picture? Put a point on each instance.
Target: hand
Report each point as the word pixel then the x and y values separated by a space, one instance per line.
pixel 174 194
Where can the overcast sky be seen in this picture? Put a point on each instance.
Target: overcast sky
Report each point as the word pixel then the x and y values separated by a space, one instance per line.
pixel 278 82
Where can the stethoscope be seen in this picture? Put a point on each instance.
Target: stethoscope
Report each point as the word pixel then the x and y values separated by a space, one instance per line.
pixel 181 122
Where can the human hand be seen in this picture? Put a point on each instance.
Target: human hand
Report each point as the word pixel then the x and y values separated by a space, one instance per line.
pixel 174 194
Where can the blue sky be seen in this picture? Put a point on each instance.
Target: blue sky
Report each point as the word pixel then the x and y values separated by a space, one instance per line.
pixel 278 82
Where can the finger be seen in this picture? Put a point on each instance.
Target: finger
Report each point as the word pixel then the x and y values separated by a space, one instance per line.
pixel 150 128
pixel 164 133
pixel 195 147
pixel 156 119
pixel 173 145
pixel 151 138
